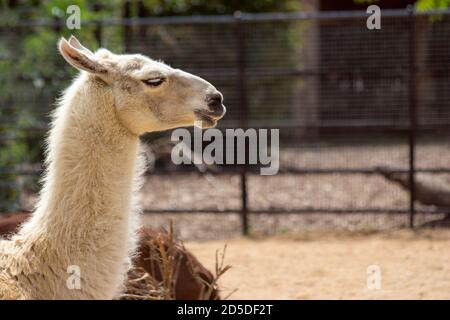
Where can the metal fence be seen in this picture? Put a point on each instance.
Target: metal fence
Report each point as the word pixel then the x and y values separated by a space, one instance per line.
pixel 346 99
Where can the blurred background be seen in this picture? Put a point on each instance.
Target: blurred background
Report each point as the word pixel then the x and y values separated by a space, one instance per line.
pixel 364 115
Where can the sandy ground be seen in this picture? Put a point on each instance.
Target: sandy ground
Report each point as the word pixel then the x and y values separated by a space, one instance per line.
pixel 413 265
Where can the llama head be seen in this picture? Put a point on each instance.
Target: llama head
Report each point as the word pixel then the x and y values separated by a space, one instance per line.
pixel 148 95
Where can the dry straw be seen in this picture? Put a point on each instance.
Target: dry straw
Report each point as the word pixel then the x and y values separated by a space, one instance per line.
pixel 164 255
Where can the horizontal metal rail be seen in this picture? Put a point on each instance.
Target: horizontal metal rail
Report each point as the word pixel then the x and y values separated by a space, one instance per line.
pixel 347 127
pixel 238 16
pixel 255 171
pixel 303 210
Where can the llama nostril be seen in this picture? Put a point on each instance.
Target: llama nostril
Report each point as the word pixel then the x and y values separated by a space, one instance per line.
pixel 214 100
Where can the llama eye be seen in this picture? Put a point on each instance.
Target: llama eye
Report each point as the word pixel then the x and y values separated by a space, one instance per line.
pixel 153 82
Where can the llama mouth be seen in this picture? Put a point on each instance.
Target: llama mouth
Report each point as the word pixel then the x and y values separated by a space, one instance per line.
pixel 206 119
pixel 216 115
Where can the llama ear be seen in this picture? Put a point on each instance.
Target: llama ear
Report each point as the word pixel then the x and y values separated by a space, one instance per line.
pixel 80 59
pixel 73 41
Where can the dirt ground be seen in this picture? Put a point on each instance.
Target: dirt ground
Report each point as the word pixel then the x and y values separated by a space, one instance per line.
pixel 413 265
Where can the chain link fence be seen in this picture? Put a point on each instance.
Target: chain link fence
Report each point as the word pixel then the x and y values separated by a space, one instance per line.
pixel 356 108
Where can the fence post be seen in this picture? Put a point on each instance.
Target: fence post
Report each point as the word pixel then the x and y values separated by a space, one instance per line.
pixel 127 28
pixel 98 26
pixel 243 109
pixel 412 105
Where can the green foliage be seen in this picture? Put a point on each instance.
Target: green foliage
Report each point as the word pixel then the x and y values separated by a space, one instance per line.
pixel 424 5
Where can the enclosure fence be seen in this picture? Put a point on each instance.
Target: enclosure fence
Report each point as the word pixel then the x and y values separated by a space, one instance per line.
pixel 350 103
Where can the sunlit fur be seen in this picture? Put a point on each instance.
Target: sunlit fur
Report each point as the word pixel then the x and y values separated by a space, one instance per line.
pixel 87 215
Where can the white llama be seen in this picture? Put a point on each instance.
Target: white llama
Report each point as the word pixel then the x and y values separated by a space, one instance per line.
pixel 86 217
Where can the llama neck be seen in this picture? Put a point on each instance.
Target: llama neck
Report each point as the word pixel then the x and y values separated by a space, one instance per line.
pixel 84 211
pixel 91 162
